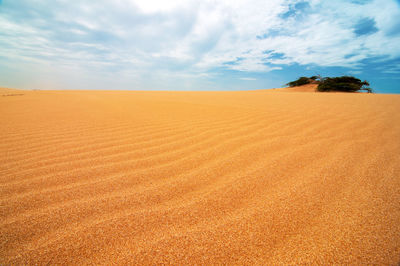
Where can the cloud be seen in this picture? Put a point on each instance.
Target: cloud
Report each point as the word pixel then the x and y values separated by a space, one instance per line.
pixel 145 41
pixel 391 69
pixel 361 2
pixel 248 78
pixel 296 10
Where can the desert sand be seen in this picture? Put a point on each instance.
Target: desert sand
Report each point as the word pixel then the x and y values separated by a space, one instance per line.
pixel 250 177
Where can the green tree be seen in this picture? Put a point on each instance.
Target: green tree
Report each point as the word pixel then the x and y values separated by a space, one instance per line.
pixel 299 82
pixel 343 84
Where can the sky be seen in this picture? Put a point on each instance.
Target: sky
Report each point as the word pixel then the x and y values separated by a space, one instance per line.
pixel 196 45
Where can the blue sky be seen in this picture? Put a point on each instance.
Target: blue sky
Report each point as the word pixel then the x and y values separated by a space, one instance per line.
pixel 196 45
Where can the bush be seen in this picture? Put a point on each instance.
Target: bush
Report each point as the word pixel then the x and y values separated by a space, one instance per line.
pixel 343 84
pixel 299 82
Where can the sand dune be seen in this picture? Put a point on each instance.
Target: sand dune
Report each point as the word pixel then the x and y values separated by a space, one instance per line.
pixel 303 88
pixel 257 177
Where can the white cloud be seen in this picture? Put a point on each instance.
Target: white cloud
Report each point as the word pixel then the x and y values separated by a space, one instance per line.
pixel 150 37
pixel 247 78
pixel 156 6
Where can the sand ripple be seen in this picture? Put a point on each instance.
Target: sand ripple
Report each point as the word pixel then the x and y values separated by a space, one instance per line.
pixel 258 177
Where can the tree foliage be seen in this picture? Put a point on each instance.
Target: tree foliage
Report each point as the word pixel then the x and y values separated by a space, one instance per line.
pixel 343 83
pixel 299 82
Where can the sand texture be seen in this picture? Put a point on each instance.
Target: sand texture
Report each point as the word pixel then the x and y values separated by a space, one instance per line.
pixel 303 88
pixel 257 177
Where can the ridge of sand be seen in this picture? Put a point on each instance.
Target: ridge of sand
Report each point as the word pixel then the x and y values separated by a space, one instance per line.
pixel 101 177
pixel 302 88
pixel 11 92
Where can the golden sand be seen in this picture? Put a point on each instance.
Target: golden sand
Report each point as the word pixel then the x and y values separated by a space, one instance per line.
pixel 256 177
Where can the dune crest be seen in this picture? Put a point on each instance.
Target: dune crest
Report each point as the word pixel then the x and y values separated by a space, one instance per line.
pixel 302 88
pixel 101 177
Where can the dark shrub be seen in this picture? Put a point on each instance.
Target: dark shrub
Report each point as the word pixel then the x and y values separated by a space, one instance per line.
pixel 343 84
pixel 299 82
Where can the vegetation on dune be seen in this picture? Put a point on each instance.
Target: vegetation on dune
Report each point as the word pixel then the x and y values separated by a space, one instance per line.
pixel 299 82
pixel 342 84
